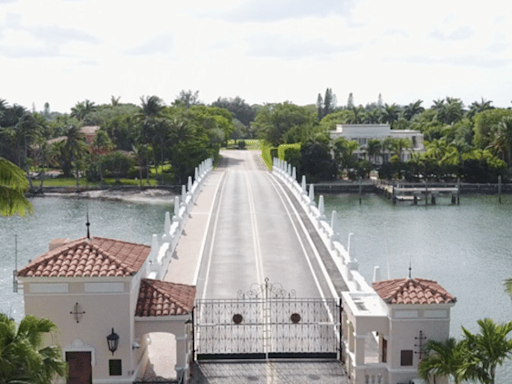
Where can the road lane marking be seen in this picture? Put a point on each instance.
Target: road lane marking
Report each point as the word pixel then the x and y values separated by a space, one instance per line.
pixel 203 245
pixel 254 229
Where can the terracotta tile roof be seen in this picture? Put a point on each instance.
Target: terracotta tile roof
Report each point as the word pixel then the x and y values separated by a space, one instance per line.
pixel 89 257
pixel 412 291
pixel 163 298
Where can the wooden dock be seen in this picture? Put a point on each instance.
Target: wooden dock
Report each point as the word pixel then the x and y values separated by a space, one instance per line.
pixel 402 192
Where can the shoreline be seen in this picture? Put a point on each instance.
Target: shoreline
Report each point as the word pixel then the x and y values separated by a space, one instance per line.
pixel 154 196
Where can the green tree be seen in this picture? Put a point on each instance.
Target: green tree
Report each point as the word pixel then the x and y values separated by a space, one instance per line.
pixel 319 107
pixel 486 350
pixel 358 115
pixel 13 184
pixel 187 99
pixel 23 359
pixel 374 149
pixel 444 359
pixel 477 107
pixel 390 114
pixel 343 150
pixel 118 164
pixel 451 111
pixel 485 124
pixel 413 109
pixel 508 286
pixel 329 102
pixel 502 143
pixel 141 154
pixel 241 111
pixel 74 149
pixel 273 121
pixel 330 121
pixel 83 110
pixel 350 101
pixel 316 161
pixel 372 117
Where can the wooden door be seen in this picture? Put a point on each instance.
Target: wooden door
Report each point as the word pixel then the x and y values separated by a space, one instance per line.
pixel 80 370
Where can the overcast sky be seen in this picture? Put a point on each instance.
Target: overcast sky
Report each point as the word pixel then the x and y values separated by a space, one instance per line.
pixel 66 51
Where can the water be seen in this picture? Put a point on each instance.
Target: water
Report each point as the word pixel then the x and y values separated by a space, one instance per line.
pixel 136 219
pixel 466 248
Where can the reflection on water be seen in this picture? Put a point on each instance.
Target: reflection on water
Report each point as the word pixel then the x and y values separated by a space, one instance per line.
pixel 56 217
pixel 466 248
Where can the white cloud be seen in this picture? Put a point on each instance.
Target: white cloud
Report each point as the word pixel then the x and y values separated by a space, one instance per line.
pixel 161 44
pixel 263 51
pixel 274 11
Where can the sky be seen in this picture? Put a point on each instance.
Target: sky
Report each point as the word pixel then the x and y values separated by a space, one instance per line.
pixel 264 51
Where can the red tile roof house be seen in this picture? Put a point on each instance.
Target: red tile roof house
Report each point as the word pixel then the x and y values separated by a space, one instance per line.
pixel 96 288
pixel 385 328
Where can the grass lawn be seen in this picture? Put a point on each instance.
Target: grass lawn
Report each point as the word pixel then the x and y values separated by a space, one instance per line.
pixel 250 144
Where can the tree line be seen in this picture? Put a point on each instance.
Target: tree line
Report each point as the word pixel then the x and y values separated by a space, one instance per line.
pixel 473 142
pixel 171 139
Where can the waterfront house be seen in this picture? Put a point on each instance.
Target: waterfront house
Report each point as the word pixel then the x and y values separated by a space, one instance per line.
pixel 97 292
pixel 364 132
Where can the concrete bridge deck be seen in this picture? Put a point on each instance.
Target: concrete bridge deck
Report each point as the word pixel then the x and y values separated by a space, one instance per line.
pixel 246 226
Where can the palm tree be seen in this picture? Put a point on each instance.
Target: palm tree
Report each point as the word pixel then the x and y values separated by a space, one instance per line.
pixel 74 148
pixel 374 148
pixel 13 183
pixel 358 115
pixel 114 100
pixel 399 145
pixel 372 117
pixel 413 109
pixel 444 359
pixel 23 361
pixel 486 351
pixel 141 155
pixel 450 112
pixel 83 109
pixel 390 113
pixel 151 107
pixel 101 145
pixel 502 142
pixel 508 286
pixel 477 107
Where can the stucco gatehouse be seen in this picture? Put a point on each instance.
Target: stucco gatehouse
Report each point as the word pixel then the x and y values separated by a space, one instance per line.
pixel 97 292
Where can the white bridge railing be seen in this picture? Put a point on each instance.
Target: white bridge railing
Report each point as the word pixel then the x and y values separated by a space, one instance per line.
pixel 163 248
pixel 347 265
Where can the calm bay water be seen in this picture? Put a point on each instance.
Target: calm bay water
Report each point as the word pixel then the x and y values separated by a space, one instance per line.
pixel 64 217
pixel 466 248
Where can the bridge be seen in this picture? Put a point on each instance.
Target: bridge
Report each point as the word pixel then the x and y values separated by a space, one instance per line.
pixel 278 298
pixel 250 238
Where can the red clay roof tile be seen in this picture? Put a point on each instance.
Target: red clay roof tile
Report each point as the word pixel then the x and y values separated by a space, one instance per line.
pixel 412 291
pixel 163 298
pixel 89 257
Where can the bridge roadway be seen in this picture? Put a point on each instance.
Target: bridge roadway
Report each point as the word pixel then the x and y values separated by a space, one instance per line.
pixel 246 226
pixel 257 232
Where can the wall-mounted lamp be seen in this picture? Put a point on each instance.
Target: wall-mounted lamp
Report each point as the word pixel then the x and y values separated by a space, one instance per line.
pixel 113 341
pixel 135 345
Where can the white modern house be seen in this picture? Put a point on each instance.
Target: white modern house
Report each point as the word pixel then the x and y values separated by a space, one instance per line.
pixel 364 132
pixel 385 328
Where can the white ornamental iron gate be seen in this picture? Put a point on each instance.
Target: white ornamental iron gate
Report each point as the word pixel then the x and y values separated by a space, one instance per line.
pixel 266 322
